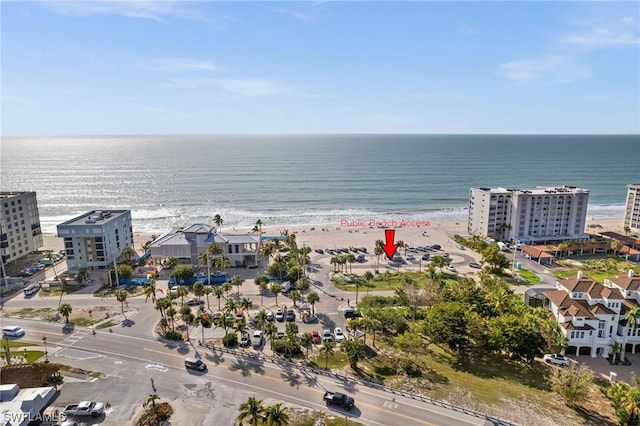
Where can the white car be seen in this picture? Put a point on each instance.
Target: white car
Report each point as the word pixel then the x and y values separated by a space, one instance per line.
pixel 450 268
pixel 338 334
pixel 12 331
pixel 326 335
pixel 256 340
pixel 556 359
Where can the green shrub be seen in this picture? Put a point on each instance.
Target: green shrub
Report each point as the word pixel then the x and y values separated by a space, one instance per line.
pixel 280 346
pixel 173 335
pixel 230 339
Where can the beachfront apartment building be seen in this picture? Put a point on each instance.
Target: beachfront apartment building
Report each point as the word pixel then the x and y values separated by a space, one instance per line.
pixel 591 315
pixel 632 210
pixel 185 244
pixel 20 231
pixel 534 216
pixel 94 240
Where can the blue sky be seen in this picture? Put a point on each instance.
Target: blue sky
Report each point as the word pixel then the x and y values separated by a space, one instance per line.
pixel 156 67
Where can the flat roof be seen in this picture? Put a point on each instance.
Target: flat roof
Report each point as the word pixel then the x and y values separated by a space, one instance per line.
pixel 95 217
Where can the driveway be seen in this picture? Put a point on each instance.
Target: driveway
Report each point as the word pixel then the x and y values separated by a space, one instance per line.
pixel 602 369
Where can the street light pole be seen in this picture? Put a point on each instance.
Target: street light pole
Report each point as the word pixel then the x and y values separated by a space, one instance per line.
pixel 46 353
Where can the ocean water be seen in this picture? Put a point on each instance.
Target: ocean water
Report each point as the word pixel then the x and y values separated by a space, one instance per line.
pixel 305 179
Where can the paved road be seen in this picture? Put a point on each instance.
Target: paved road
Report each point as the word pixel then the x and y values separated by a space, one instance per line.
pixel 130 362
pixel 130 354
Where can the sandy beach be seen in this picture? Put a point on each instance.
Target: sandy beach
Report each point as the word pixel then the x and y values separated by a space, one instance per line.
pixel 349 234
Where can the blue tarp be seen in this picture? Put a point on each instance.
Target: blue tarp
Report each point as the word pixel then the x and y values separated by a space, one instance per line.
pixel 192 281
pixel 142 258
pixel 269 238
pixel 133 281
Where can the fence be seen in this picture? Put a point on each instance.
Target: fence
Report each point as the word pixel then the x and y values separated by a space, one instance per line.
pixel 370 383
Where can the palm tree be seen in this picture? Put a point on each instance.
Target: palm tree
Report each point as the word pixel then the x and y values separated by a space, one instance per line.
pixel 150 291
pixel 198 289
pixel 276 289
pixel 207 290
pixel 355 351
pixel 182 292
pixel 327 350
pixel 615 246
pixel 82 275
pixel 203 259
pixel 218 291
pixel 262 281
pixel 295 297
pixel 65 310
pixel 261 319
pixel 230 306
pixel 250 410
pixel 240 327
pixel 312 299
pixel 152 399
pixel 615 350
pixel 227 288
pixel 633 316
pixel 171 313
pixel 217 219
pixel 237 281
pixel 121 296
pixel 270 330
pixel 127 253
pixel 222 263
pixel 276 415
pixel 225 322
pixel 245 304
pixel 378 252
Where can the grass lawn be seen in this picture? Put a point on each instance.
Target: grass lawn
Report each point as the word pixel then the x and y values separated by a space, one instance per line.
pixel 47 314
pixel 17 344
pixel 570 270
pixel 528 276
pixel 106 324
pixel 55 291
pixel 381 281
pixel 31 355
pixel 336 361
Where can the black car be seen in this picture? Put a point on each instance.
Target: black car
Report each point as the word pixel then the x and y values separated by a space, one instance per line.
pixel 291 316
pixel 475 265
pixel 436 246
pixel 426 256
pixel 319 251
pixel 339 399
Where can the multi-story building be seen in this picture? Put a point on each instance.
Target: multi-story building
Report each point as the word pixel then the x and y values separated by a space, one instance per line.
pixel 20 232
pixel 185 244
pixel 591 315
pixel 632 211
pixel 540 215
pixel 95 239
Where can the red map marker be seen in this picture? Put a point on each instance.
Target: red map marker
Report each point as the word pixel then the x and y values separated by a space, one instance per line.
pixel 389 247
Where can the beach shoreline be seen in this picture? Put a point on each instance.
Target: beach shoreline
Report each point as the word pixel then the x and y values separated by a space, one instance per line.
pixel 355 233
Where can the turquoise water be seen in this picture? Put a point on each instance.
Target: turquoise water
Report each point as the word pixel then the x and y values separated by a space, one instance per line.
pixel 295 179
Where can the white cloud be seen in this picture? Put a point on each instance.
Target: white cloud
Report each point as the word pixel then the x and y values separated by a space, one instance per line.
pixel 620 32
pixel 553 67
pixel 181 65
pixel 15 100
pixel 300 16
pixel 143 9
pixel 253 87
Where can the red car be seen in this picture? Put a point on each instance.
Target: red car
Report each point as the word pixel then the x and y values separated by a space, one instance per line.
pixel 315 337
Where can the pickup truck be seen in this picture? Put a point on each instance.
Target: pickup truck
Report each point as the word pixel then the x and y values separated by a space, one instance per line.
pixel 340 399
pixel 85 408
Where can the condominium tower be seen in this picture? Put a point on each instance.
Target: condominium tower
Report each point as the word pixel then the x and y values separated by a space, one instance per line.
pixel 20 232
pixel 632 211
pixel 540 215
pixel 94 239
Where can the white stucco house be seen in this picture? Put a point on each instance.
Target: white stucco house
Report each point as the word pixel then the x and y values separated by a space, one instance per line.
pixel 185 244
pixel 591 314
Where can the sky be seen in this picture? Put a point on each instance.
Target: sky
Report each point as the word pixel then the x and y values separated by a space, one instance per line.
pixel 177 67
